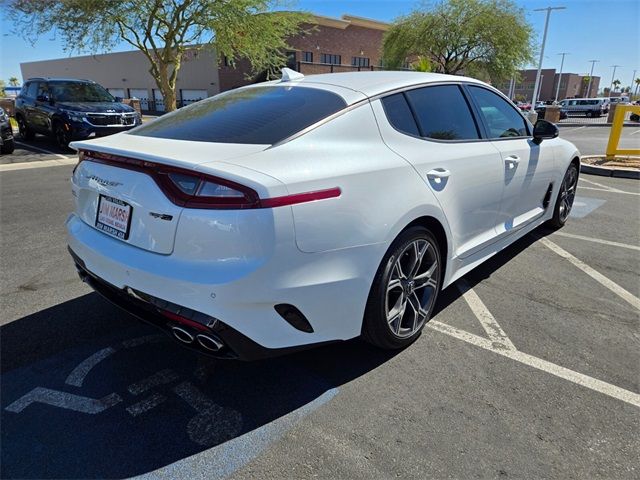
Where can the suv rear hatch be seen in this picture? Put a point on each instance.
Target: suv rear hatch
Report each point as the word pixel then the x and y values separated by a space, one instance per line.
pixel 117 193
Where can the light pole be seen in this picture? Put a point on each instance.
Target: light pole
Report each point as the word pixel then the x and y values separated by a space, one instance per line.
pixel 560 76
pixel 633 79
pixel 612 77
pixel 544 41
pixel 593 62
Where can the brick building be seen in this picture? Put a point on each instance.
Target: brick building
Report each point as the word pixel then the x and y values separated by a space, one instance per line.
pixel 329 44
pixel 571 85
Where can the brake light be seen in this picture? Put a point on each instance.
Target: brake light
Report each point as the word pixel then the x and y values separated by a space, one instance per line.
pixel 191 189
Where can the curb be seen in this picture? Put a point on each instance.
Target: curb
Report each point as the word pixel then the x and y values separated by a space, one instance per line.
pixel 609 172
pixel 560 125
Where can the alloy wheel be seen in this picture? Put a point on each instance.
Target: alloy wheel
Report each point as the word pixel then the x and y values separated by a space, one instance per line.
pixel 412 288
pixel 567 193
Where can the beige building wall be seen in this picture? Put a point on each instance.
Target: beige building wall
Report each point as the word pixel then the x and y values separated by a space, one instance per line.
pixel 129 71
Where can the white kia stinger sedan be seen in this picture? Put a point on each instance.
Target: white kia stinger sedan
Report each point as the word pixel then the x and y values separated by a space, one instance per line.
pixel 312 209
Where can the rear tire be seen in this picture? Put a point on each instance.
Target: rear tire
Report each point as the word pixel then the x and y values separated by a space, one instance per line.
pixel 404 290
pixel 566 195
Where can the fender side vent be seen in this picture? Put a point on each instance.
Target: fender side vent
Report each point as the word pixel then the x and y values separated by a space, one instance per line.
pixel 547 196
pixel 294 317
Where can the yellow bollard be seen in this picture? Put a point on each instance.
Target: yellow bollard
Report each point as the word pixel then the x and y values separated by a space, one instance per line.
pixel 616 130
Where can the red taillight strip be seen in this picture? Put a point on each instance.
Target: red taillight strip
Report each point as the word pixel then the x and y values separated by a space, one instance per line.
pixel 159 173
pixel 300 198
pixel 184 321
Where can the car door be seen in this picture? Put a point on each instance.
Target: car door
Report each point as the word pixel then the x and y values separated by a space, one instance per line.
pixel 433 128
pixel 42 108
pixel 29 103
pixel 528 168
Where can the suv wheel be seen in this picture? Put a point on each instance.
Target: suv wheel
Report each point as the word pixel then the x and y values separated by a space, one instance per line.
pixel 404 290
pixel 25 132
pixel 7 146
pixel 61 136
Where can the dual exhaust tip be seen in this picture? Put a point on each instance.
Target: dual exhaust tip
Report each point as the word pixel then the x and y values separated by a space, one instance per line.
pixel 208 342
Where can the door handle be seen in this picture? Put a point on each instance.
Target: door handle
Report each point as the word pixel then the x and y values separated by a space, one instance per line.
pixel 438 174
pixel 512 161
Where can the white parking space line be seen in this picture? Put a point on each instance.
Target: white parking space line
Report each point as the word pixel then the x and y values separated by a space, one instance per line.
pixel 571 129
pixel 488 322
pixel 596 240
pixel 8 167
pixel 637 131
pixel 608 190
pixel 540 364
pixel 43 150
pixel 597 276
pixel 605 187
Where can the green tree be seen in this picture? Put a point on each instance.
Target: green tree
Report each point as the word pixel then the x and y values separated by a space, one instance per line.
pixel 486 38
pixel 165 30
pixel 585 85
pixel 637 82
pixel 2 85
pixel 616 84
pixel 423 64
pixel 13 81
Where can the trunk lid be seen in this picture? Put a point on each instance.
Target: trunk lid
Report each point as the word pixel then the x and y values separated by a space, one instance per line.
pixel 129 205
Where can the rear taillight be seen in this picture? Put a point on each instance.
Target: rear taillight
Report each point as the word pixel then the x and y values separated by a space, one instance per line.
pixel 183 187
pixel 191 189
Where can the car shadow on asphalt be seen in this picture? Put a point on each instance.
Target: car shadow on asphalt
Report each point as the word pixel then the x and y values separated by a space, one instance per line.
pixel 90 392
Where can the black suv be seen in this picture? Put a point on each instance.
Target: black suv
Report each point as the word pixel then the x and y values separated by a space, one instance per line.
pixel 69 109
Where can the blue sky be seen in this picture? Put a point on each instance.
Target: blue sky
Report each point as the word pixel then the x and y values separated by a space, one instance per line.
pixel 606 30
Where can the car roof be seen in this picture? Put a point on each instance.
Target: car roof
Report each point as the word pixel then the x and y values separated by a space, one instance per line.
pixel 368 83
pixel 59 79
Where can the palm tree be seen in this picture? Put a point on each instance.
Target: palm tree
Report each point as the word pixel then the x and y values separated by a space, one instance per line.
pixel 585 85
pixel 616 84
pixel 637 82
pixel 13 81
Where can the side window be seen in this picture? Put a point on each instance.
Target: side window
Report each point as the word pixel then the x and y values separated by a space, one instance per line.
pixel 32 90
pixel 399 114
pixel 42 89
pixel 501 119
pixel 442 113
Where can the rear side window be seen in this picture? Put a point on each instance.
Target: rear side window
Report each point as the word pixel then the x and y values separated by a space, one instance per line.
pixel 260 115
pixel 399 114
pixel 499 116
pixel 32 90
pixel 442 113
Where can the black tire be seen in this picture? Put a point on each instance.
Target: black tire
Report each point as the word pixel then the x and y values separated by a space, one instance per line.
pixel 61 136
pixel 25 132
pixel 8 146
pixel 421 286
pixel 564 200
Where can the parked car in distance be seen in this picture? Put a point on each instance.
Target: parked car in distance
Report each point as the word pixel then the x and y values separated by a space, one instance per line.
pixel 590 107
pixel 7 144
pixel 307 210
pixel 621 99
pixel 524 106
pixel 542 109
pixel 70 109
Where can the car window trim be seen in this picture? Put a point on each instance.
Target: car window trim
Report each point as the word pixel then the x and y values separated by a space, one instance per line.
pixel 481 119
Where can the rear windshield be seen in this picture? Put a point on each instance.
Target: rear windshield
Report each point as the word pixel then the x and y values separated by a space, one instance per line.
pixel 260 115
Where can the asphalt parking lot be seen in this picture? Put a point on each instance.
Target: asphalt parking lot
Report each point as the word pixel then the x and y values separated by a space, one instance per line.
pixel 529 369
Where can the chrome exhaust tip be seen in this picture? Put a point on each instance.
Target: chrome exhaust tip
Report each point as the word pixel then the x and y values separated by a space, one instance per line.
pixel 209 343
pixel 182 335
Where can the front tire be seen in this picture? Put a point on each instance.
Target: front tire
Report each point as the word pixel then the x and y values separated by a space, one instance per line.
pixel 404 290
pixel 566 195
pixel 61 137
pixel 25 132
pixel 8 146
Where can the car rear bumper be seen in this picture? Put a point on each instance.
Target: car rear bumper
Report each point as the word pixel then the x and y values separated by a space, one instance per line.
pixel 330 289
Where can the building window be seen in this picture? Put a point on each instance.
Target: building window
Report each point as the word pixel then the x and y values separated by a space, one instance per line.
pixel 360 61
pixel 331 59
pixel 307 57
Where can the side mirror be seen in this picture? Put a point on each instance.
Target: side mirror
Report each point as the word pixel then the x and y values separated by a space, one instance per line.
pixel 43 98
pixel 118 99
pixel 544 130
